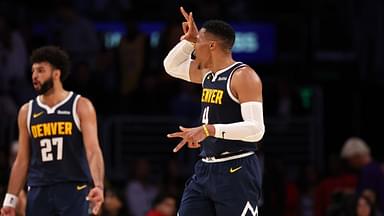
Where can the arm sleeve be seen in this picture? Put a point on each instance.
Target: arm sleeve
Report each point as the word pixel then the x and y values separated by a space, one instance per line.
pixel 250 130
pixel 178 60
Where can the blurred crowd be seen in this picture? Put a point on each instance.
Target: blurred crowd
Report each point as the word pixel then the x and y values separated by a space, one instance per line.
pixel 129 80
pixel 352 185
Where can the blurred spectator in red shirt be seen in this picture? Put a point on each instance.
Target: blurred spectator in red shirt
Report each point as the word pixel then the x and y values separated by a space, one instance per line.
pixel 339 181
pixel 163 205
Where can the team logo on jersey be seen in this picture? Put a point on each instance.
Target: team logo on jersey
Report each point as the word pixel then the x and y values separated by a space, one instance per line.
pixel 52 129
pixel 248 208
pixel 63 112
pixel 36 115
pixel 80 187
pixel 222 79
pixel 233 170
pixel 214 96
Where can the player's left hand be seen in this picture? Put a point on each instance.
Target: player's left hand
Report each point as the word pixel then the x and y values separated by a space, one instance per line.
pixel 191 136
pixel 96 199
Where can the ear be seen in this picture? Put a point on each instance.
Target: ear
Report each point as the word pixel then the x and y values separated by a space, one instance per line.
pixel 56 74
pixel 212 45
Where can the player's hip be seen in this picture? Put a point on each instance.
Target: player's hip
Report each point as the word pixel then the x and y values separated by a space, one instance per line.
pixel 233 165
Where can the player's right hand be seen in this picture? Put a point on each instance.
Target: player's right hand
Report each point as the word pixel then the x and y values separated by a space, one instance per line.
pixel 8 211
pixel 189 27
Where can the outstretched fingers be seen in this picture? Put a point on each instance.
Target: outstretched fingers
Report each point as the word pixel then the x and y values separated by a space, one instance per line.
pixel 176 134
pixel 184 13
pixel 180 145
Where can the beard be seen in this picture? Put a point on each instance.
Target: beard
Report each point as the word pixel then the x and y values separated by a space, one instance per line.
pixel 46 86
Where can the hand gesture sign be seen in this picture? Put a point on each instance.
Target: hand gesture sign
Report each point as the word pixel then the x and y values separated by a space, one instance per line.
pixel 189 27
pixel 192 136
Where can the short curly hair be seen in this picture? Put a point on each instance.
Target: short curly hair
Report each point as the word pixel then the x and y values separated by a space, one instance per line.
pixel 55 56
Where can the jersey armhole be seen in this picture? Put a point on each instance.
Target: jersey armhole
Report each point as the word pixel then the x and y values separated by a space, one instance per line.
pixel 29 113
pixel 74 112
pixel 229 83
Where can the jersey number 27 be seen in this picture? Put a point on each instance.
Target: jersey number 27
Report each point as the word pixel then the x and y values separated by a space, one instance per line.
pixel 47 148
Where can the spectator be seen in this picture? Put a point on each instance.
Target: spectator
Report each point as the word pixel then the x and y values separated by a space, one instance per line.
pixel 308 183
pixel 13 53
pixel 139 192
pixel 339 182
pixel 341 204
pixel 132 53
pixel 8 106
pixel 77 35
pixel 22 197
pixel 365 207
pixel 163 205
pixel 13 60
pixel 371 175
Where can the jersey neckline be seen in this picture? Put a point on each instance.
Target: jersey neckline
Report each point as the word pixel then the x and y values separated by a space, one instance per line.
pixel 215 75
pixel 53 109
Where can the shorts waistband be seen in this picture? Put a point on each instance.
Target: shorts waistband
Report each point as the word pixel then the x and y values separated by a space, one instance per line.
pixel 227 157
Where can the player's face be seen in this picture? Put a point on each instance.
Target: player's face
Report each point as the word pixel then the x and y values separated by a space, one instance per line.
pixel 42 77
pixel 202 47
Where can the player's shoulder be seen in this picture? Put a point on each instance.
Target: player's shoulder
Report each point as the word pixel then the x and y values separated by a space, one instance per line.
pixel 84 101
pixel 84 105
pixel 23 111
pixel 246 73
pixel 24 108
pixel 245 69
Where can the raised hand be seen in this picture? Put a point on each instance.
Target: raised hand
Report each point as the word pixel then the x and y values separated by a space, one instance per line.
pixel 191 136
pixel 189 27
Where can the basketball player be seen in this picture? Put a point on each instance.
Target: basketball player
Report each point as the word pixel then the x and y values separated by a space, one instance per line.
pixel 227 180
pixel 58 146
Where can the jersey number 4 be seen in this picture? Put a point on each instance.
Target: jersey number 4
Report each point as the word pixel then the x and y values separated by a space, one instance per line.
pixel 47 148
pixel 205 119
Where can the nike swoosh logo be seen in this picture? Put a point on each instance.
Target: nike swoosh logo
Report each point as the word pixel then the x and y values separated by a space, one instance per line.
pixel 80 187
pixel 35 115
pixel 232 170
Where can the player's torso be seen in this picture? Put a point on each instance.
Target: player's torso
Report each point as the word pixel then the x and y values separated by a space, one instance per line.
pixel 220 106
pixel 56 146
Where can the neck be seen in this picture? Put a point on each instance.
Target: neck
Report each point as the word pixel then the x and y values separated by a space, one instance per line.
pixel 221 61
pixel 54 95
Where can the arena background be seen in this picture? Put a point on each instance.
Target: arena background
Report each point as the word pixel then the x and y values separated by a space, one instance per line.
pixel 321 63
